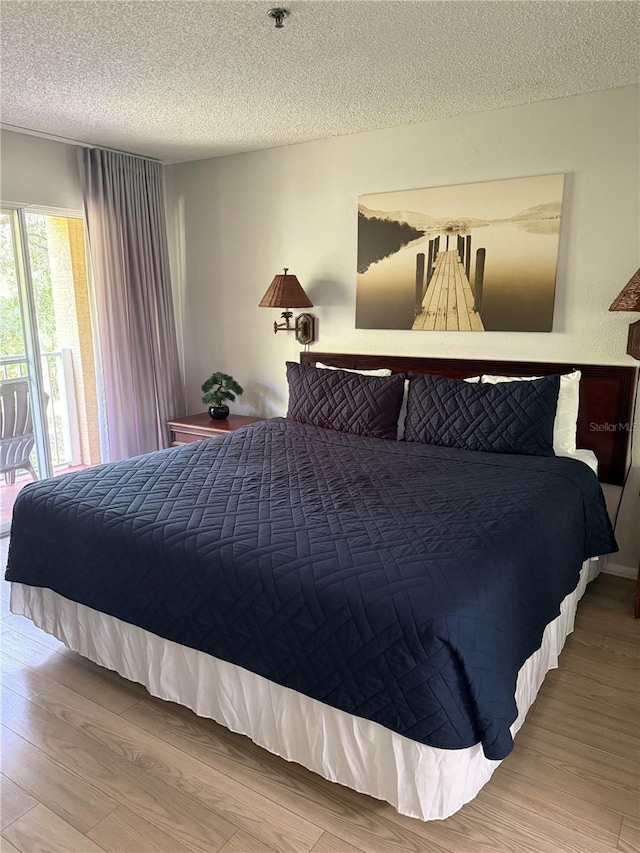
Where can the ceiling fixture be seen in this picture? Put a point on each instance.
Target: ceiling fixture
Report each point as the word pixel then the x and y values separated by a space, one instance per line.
pixel 278 15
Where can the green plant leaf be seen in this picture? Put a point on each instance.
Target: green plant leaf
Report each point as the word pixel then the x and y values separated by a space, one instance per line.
pixel 220 387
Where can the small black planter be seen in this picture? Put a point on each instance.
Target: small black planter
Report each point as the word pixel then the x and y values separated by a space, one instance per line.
pixel 219 413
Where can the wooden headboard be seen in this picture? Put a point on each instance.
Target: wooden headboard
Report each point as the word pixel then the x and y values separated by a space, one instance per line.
pixel 606 395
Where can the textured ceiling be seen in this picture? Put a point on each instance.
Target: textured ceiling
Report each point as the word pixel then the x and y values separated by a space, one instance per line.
pixel 187 80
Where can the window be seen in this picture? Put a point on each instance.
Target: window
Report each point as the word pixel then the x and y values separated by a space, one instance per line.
pixel 49 404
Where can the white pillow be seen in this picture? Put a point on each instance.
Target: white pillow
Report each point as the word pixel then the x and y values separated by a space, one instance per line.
pixel 566 420
pixel 383 371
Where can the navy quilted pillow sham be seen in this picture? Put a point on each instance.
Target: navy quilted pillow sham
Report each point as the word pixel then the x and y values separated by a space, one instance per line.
pixel 347 402
pixel 494 418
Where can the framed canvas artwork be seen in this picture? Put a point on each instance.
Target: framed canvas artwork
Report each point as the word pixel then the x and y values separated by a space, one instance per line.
pixel 473 257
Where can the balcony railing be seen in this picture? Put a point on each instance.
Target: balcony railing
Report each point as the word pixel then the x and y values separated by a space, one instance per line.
pixel 61 411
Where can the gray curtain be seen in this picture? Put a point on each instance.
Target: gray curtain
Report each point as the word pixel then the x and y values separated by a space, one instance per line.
pixel 124 209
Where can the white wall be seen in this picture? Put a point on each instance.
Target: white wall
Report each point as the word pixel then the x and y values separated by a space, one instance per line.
pixel 38 171
pixel 236 221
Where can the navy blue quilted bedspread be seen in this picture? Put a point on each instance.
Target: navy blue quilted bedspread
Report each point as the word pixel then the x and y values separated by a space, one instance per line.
pixel 402 583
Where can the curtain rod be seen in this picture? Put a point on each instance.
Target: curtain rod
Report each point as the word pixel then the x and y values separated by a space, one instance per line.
pixel 55 138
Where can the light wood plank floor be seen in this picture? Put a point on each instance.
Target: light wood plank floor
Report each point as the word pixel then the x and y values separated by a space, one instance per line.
pixel 92 763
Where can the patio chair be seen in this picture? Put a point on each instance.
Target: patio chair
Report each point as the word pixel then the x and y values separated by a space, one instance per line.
pixel 16 429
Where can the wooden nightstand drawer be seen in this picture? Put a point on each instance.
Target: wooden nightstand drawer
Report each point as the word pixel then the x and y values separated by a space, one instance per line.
pixel 178 437
pixel 197 427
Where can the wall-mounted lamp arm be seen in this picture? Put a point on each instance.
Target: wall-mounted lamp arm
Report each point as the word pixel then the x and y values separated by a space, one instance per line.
pixel 287 316
pixel 304 326
pixel 286 290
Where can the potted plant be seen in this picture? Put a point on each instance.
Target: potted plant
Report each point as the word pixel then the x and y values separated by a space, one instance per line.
pixel 218 388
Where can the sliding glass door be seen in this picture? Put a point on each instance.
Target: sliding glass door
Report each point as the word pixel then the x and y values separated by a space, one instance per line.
pixel 48 399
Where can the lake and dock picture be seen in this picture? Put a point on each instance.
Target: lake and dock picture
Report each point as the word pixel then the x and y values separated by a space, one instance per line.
pixel 474 257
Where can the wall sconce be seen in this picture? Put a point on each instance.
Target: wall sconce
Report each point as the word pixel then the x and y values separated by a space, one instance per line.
pixel 629 300
pixel 285 291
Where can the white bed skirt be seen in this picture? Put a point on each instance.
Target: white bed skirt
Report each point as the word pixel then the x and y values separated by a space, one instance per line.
pixel 418 780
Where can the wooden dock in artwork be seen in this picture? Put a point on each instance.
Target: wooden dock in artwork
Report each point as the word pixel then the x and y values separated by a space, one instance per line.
pixel 448 303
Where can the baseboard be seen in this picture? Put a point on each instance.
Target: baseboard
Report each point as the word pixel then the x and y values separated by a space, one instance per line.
pixel 620 571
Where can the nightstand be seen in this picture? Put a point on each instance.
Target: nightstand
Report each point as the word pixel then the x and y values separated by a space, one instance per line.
pixel 197 427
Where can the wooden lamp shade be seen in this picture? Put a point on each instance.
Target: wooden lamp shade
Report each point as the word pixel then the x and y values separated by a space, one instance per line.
pixel 285 291
pixel 629 300
pixel 629 297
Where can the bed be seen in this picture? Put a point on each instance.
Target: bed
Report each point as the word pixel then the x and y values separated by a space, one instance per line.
pixel 382 612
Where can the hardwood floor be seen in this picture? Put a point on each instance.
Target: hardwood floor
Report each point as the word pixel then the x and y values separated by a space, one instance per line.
pixel 91 762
